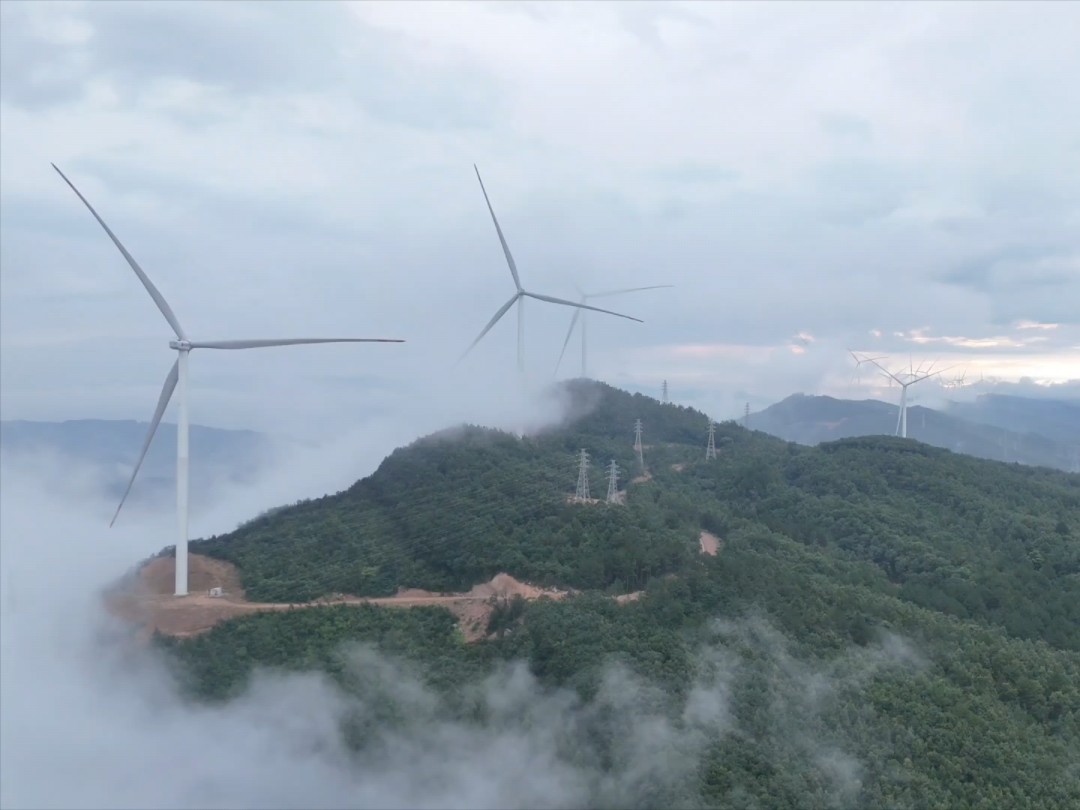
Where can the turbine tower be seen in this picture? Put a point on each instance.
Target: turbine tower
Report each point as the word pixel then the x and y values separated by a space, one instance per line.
pixel 177 379
pixel 581 315
pixel 905 379
pixel 521 294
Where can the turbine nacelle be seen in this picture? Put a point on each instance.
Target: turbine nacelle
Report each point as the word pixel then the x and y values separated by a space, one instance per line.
pixel 177 379
pixel 521 293
pixel 579 315
pixel 904 379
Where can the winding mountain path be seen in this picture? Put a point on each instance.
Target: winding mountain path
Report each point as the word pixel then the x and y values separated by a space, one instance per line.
pixel 148 599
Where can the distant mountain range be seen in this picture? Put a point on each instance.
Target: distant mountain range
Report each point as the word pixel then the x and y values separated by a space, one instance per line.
pixel 1002 428
pixel 111 447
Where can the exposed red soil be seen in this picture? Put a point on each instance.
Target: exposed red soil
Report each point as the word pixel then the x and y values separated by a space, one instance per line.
pixel 148 599
pixel 678 467
pixel 641 479
pixel 710 544
pixel 573 499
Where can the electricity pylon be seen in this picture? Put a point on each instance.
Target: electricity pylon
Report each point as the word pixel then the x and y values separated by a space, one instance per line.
pixel 710 450
pixel 664 394
pixel 613 483
pixel 746 416
pixel 582 493
pixel 637 445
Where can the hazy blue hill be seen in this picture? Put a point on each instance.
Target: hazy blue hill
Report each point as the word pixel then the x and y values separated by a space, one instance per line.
pixel 112 447
pixel 813 419
pixel 1056 419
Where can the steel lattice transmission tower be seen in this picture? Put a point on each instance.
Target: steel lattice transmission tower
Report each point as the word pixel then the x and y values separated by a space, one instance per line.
pixel 746 416
pixel 613 483
pixel 637 445
pixel 582 493
pixel 664 393
pixel 710 450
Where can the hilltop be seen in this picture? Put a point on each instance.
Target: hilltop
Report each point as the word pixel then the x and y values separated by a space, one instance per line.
pixel 960 577
pixel 1013 429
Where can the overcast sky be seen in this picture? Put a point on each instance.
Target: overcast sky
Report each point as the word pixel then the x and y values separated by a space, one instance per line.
pixel 902 179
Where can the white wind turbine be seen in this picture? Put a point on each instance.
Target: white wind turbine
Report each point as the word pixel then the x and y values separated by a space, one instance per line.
pixel 521 294
pixel 580 315
pixel 177 378
pixel 904 379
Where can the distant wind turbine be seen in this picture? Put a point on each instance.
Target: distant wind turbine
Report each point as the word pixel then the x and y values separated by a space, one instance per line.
pixel 521 294
pixel 904 379
pixel 583 317
pixel 177 378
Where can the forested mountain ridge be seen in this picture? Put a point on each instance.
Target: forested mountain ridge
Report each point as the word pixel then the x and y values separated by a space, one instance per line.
pixel 934 598
pixel 975 539
pixel 454 508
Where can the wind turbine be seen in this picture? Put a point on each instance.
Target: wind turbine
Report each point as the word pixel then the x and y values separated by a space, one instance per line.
pixel 177 378
pixel 580 315
pixel 904 379
pixel 521 294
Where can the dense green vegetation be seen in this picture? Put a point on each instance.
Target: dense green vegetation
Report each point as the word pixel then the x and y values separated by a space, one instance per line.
pixel 887 624
pixel 458 507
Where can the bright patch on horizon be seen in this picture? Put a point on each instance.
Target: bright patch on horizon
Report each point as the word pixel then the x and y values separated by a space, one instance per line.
pixel 1036 325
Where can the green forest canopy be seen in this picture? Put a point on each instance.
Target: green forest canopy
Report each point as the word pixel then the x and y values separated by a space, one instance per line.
pixel 836 548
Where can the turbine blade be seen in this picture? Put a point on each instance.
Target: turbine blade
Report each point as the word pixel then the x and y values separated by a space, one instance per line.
pixel 569 332
pixel 159 299
pixel 502 239
pixel 494 320
pixel 882 368
pixel 628 290
pixel 566 303
pixel 260 344
pixel 163 401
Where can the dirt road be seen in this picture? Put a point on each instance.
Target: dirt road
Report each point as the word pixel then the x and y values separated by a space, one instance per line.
pixel 149 601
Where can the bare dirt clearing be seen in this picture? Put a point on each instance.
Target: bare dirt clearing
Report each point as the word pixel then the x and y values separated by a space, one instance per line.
pixel 148 600
pixel 710 544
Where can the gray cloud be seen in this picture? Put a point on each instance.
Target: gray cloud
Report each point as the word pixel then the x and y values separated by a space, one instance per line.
pixel 306 168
